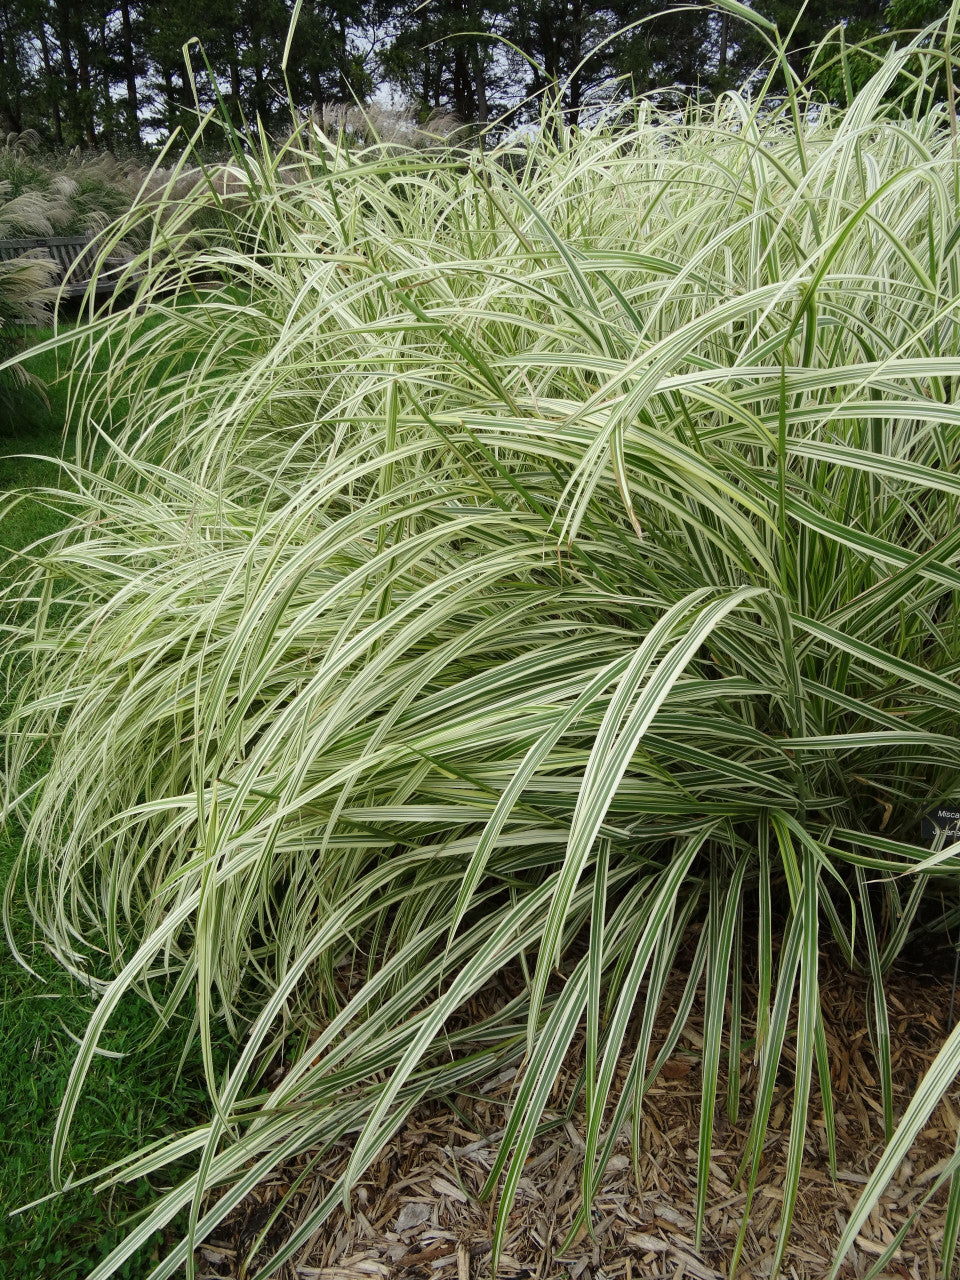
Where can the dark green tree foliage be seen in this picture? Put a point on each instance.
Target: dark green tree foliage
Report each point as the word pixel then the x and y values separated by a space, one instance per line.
pixel 689 49
pixel 804 31
pixel 324 65
pixel 111 73
pixel 847 59
pixel 477 59
pixel 51 68
pixel 18 80
pixel 69 70
pixel 557 36
pixel 236 51
pixel 447 56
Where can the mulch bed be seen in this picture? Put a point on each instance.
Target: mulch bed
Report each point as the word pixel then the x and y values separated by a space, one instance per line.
pixel 416 1214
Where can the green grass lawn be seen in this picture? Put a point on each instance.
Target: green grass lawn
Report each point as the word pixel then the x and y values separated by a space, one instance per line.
pixel 67 1236
pixel 31 423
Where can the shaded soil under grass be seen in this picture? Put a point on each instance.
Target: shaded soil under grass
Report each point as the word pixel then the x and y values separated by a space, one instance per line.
pixel 416 1212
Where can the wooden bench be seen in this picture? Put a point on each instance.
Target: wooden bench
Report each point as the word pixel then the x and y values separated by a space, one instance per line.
pixel 76 258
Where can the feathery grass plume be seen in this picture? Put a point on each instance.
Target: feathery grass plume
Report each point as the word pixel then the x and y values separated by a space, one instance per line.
pixel 27 287
pixel 522 556
pixel 27 281
pixel 370 123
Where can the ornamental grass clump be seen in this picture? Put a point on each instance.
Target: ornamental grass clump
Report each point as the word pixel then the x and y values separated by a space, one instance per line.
pixel 525 557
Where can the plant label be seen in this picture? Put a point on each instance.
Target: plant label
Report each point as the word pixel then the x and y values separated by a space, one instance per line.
pixel 941 826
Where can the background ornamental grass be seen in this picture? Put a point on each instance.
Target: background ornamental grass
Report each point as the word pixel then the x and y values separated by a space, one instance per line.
pixel 524 557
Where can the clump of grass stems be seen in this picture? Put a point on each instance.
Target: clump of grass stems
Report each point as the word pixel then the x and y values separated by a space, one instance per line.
pixel 524 555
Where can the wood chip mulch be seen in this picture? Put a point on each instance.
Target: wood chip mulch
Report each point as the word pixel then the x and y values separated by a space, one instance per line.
pixel 416 1212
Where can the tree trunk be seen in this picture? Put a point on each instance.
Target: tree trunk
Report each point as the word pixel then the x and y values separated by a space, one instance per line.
pixel 259 105
pixel 576 53
pixel 105 85
pixel 462 90
pixel 86 86
pixel 426 67
pixel 69 73
pixel 130 75
pixel 480 83
pixel 235 92
pixel 10 119
pixel 173 103
pixel 49 81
